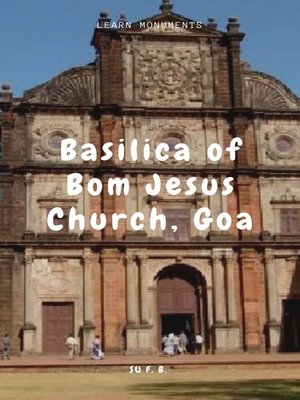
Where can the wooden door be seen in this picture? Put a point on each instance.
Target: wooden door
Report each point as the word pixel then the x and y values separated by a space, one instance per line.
pixel 176 298
pixel 176 295
pixel 58 323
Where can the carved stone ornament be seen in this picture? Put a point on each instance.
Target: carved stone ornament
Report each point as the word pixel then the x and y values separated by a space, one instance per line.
pixel 28 259
pixel 289 196
pixel 269 258
pixel 75 87
pixel 262 91
pixel 217 259
pixel 46 140
pixel 282 145
pixel 170 76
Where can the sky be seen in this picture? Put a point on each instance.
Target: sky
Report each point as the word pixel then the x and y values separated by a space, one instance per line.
pixel 41 38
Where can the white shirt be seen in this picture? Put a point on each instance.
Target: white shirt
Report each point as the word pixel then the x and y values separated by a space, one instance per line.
pixel 199 339
pixel 71 341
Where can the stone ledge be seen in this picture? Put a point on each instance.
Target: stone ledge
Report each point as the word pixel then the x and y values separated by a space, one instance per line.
pixel 57 237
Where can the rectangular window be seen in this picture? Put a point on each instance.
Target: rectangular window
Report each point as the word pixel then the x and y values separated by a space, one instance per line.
pixel 182 219
pixel 290 221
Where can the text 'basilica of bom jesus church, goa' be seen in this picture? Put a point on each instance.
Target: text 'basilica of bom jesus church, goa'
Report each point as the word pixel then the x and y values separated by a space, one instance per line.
pixel 171 83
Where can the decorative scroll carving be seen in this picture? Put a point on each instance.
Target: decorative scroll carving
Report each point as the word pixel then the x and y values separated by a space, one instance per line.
pixel 75 87
pixel 282 145
pixel 42 140
pixel 262 91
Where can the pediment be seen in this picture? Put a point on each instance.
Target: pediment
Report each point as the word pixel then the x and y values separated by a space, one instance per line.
pixel 172 23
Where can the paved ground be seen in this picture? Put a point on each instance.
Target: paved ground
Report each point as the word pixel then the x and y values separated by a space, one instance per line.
pixel 184 360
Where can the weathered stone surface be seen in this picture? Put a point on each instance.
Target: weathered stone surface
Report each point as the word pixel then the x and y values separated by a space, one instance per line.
pixel 184 85
pixel 75 87
pixel 262 91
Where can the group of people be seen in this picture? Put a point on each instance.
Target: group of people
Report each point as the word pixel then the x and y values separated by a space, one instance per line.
pixel 173 344
pixel 96 351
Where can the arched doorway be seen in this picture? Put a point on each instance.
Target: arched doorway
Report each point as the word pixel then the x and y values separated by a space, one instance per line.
pixel 182 302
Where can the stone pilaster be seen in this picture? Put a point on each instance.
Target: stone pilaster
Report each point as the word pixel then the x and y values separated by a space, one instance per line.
pixel 210 308
pixel 88 301
pixel 218 283
pixel 271 286
pixel 28 183
pixel 144 303
pixel 230 283
pixel 226 330
pixel 131 290
pixel 274 324
pixel 138 331
pixel 29 327
pixel 202 329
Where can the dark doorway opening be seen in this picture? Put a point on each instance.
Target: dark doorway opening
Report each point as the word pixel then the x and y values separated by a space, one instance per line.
pixel 291 324
pixel 176 323
pixel 58 323
pixel 182 303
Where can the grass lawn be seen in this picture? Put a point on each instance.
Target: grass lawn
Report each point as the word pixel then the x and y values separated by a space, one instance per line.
pixel 194 384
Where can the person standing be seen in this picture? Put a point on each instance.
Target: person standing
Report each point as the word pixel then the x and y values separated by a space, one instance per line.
pixel 198 343
pixel 71 344
pixel 6 347
pixel 183 342
pixel 164 340
pixel 97 353
pixel 169 345
pixel 176 345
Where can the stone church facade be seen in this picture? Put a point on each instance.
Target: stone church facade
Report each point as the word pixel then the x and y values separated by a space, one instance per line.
pixel 169 83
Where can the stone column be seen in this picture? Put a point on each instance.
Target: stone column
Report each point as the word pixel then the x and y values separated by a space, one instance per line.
pixel 29 327
pixel 274 324
pixel 88 301
pixel 134 336
pixel 271 287
pixel 144 290
pixel 217 288
pixel 231 304
pixel 209 317
pixel 131 290
pixel 202 320
pixel 153 316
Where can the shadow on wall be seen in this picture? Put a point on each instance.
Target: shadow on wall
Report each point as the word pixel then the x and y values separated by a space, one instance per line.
pixel 275 390
pixel 290 320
